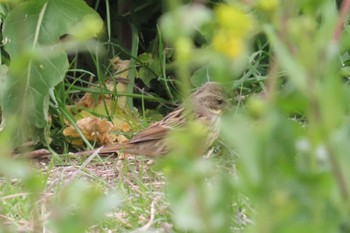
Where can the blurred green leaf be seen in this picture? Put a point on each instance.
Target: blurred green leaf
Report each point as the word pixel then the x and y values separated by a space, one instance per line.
pixel 295 70
pixel 184 21
pixel 79 205
pixel 29 27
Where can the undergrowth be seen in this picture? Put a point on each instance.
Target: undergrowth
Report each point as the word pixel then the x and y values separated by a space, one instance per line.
pixel 281 162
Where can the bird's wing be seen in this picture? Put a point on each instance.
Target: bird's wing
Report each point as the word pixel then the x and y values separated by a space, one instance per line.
pixel 161 128
pixel 155 131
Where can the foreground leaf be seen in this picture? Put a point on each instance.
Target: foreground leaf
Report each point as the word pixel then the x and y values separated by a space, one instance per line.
pixel 32 31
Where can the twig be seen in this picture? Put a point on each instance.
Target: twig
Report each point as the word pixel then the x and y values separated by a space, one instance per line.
pixel 344 9
pixel 15 195
pixel 150 222
pixel 86 162
pixel 36 154
pixel 339 176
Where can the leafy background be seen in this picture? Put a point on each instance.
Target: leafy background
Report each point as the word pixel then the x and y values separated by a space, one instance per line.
pixel 281 164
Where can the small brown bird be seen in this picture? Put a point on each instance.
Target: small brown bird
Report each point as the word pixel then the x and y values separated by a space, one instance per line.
pixel 207 105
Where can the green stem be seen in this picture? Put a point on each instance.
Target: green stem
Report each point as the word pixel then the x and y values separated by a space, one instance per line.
pixel 132 71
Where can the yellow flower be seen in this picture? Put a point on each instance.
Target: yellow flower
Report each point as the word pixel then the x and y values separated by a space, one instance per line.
pixel 232 27
pixel 229 45
pixel 233 19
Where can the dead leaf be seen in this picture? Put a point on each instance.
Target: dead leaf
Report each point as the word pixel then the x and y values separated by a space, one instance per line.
pixel 121 68
pixel 94 129
pixel 100 130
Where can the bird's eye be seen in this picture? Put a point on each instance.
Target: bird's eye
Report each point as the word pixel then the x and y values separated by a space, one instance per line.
pixel 220 101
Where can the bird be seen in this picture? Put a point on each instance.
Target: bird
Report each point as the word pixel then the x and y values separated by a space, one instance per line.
pixel 207 102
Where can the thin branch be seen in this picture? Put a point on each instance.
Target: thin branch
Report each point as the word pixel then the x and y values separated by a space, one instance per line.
pixel 338 174
pixel 344 9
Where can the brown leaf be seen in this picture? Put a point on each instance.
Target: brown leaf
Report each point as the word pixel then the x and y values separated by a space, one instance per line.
pixel 94 129
pixel 121 68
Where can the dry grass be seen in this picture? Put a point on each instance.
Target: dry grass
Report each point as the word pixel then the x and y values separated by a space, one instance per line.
pixel 142 204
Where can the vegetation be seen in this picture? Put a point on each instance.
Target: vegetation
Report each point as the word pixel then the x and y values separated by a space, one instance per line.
pixel 281 164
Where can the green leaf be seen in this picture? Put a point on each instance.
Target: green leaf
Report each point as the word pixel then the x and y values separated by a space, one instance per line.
pixel 32 31
pixel 151 68
pixel 202 75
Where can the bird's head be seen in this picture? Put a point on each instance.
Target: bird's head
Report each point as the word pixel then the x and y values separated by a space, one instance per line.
pixel 210 96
